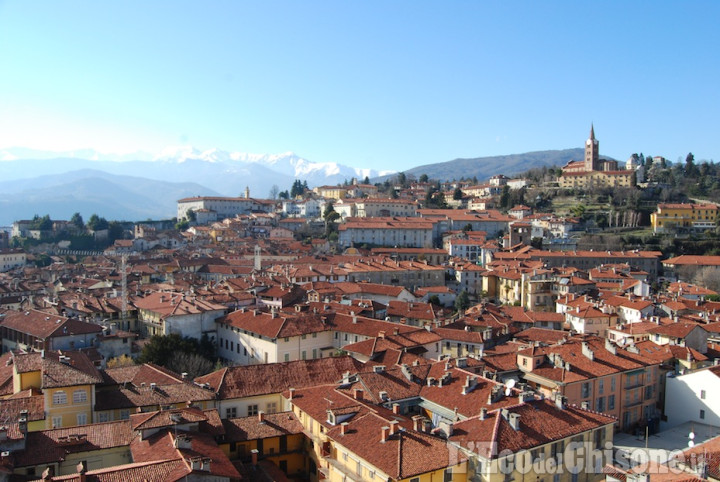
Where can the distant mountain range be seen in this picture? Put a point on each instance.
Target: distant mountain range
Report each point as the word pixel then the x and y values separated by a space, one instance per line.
pixel 139 186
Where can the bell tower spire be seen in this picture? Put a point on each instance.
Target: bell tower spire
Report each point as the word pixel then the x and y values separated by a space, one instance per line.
pixel 592 151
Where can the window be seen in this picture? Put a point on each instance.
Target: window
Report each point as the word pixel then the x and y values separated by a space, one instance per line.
pixel 702 414
pixel 600 404
pixel 79 396
pixel 103 417
pixel 612 384
pixel 57 422
pixel 702 394
pixel 252 410
pixel 59 398
pixel 231 412
pixel 448 476
pixel 271 407
pixel 124 414
pixel 287 356
pixel 611 402
pixel 585 392
pixel 81 418
pixel 601 386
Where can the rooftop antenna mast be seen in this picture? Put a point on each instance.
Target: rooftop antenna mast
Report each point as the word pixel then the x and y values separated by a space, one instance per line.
pixel 124 291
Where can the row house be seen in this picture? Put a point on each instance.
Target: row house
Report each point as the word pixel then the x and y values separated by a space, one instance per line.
pixel 163 313
pixel 304 208
pixel 648 261
pixel 11 259
pixel 695 217
pixel 64 380
pixel 222 207
pixel 376 292
pixel 145 388
pixel 250 336
pixel 389 231
pixel 619 382
pixel 37 330
pixel 410 274
pixel 430 255
pixel 245 391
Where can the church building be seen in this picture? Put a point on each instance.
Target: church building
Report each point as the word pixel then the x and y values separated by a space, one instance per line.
pixel 593 171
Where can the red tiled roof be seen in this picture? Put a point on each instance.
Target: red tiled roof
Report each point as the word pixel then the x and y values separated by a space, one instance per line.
pixel 540 423
pixel 251 380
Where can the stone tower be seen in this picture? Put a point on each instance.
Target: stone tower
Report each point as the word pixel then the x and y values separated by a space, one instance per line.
pixel 592 152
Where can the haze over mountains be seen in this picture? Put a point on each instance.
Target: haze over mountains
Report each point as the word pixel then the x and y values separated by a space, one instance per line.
pixel 139 186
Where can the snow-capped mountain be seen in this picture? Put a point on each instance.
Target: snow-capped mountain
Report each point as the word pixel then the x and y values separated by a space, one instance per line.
pixel 287 163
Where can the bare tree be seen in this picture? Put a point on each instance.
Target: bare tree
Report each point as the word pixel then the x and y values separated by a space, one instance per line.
pixel 191 363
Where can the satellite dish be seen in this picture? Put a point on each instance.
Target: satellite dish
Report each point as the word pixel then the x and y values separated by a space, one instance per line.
pixel 511 383
pixel 508 391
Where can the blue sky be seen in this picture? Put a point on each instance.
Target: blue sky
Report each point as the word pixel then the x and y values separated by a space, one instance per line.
pixel 374 84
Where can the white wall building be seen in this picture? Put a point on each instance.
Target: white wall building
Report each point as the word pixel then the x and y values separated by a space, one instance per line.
pixel 693 397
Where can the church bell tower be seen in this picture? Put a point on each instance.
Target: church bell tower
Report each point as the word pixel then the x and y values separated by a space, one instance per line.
pixel 592 152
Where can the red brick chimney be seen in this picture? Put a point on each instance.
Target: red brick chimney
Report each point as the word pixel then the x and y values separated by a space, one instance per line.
pixel 384 434
pixel 394 425
pixel 396 408
pixel 358 394
pixel 261 417
pixel 343 428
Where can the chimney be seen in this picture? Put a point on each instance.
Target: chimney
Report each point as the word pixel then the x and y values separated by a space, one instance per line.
pixel 396 408
pixel 483 413
pixel 405 369
pixel 354 317
pixel 184 375
pixel 384 434
pixel 81 469
pixel 394 426
pixel 514 419
pixel 291 393
pixel 261 417
pixel 560 402
pixel 416 422
pixel 343 428
pixel 587 351
pixel 254 453
pixel 381 334
pixel 396 331
pixel 358 394
pixel 585 405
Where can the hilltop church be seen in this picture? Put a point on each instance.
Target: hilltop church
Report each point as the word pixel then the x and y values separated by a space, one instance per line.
pixel 593 171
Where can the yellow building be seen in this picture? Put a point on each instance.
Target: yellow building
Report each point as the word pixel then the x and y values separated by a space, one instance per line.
pixel 596 179
pixel 98 445
pixel 695 217
pixel 276 437
pixel 536 440
pixel 67 384
pixel 331 192
pixel 147 387
pixel 351 439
